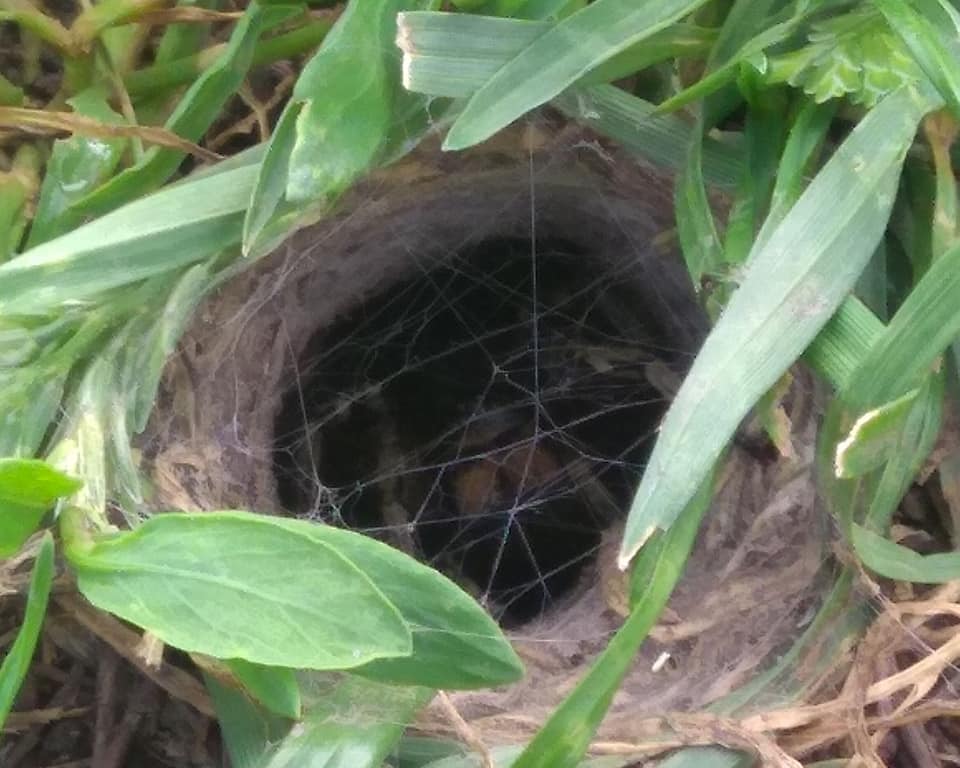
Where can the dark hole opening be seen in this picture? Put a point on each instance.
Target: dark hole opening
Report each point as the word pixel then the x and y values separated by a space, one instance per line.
pixel 490 415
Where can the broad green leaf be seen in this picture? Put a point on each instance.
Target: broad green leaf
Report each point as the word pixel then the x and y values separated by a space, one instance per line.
pixel 348 723
pixel 793 283
pixel 195 112
pixel 931 32
pixel 919 332
pixel 76 166
pixel 17 661
pixel 459 646
pixel 347 93
pixel 660 139
pixel 874 437
pixel 276 688
pixel 238 586
pixel 895 561
pixel 558 59
pixel 564 739
pixel 177 226
pixel 28 489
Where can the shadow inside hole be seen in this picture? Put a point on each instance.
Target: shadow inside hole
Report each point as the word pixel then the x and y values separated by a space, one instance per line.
pixel 490 415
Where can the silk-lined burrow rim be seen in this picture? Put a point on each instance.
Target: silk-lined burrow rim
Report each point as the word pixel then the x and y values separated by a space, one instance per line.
pixel 469 361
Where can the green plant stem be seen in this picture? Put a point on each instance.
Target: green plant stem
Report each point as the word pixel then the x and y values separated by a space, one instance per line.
pixel 46 28
pixel 152 81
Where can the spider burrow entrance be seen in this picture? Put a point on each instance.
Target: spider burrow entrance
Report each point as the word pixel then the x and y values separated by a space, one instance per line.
pixel 489 413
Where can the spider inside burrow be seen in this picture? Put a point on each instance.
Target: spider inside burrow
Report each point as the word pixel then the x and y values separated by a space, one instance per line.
pixel 489 415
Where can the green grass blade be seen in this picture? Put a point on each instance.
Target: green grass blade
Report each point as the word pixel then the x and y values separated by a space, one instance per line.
pixel 558 59
pixel 922 328
pixel 699 237
pixel 266 219
pixel 76 166
pixel 660 139
pixel 454 54
pixel 17 661
pixel 874 438
pixel 564 739
pixel 895 561
pixel 794 282
pixel 930 33
pixel 842 346
pixel 804 141
pixel 194 114
pixel 169 229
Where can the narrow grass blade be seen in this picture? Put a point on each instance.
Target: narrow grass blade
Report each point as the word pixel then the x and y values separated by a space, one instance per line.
pixel 894 561
pixel 794 282
pixel 76 166
pixel 454 54
pixel 194 114
pixel 922 328
pixel 874 438
pixel 265 219
pixel 563 740
pixel 28 489
pixel 145 362
pixel 17 661
pixel 660 139
pixel 842 346
pixel 931 32
pixel 696 226
pixel 348 723
pixel 804 141
pixel 558 59
pixel 17 187
pixel 172 228
pixel 726 71
pixel 917 438
pixel 765 132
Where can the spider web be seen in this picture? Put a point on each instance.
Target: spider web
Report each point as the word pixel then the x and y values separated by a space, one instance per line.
pixel 490 414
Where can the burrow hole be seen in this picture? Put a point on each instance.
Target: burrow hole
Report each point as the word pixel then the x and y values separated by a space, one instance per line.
pixel 490 415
